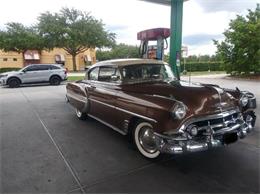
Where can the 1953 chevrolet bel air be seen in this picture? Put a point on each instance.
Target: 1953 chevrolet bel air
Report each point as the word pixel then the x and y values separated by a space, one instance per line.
pixel 142 99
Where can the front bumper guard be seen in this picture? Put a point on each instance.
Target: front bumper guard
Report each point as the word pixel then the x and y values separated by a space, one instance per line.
pixel 181 144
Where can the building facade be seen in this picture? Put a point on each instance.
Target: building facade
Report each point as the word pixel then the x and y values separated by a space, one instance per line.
pixel 55 56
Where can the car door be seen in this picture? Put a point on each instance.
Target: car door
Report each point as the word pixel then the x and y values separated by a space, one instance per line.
pixel 30 74
pixel 102 94
pixel 43 72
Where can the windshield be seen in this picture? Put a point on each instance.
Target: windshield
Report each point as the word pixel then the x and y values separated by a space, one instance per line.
pixel 147 72
pixel 23 68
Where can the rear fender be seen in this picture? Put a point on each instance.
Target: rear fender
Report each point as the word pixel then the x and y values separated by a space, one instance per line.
pixel 77 96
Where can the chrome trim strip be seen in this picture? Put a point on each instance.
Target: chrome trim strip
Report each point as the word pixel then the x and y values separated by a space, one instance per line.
pixel 210 117
pixel 105 104
pixel 115 83
pixel 204 118
pixel 77 97
pixel 126 111
pixel 138 115
pixel 107 124
pixel 168 98
pixel 227 129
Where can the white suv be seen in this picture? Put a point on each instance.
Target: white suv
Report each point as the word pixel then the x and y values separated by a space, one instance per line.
pixel 35 73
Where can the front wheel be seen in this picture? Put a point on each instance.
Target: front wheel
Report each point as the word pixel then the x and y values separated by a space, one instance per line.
pixel 144 140
pixel 14 83
pixel 81 115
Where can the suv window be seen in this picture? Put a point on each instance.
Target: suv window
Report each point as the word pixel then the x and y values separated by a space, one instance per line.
pixel 43 67
pixel 93 75
pixel 109 74
pixel 54 67
pixel 31 68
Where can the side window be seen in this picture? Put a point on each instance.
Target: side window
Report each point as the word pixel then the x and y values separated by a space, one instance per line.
pixel 30 68
pixel 38 68
pixel 109 74
pixel 43 67
pixel 93 75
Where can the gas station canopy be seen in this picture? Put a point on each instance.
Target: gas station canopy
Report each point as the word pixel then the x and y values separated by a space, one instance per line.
pixel 163 2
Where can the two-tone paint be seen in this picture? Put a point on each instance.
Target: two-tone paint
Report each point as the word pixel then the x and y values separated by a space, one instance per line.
pixel 119 105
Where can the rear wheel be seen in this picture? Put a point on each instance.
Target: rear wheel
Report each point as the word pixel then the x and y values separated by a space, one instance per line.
pixel 81 115
pixel 55 80
pixel 144 140
pixel 14 82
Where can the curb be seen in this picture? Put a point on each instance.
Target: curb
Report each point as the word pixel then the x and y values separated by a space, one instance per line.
pixel 241 79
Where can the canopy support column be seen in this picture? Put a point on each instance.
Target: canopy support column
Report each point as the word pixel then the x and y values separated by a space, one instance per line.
pixel 176 36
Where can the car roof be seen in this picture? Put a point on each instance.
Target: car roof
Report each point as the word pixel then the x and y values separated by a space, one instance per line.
pixel 126 62
pixel 45 64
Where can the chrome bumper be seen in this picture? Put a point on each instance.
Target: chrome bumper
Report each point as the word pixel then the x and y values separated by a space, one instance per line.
pixel 210 138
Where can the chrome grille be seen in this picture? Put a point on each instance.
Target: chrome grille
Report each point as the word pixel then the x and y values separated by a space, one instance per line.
pixel 219 123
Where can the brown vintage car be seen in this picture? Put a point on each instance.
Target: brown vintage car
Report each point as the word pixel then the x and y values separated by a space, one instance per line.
pixel 142 99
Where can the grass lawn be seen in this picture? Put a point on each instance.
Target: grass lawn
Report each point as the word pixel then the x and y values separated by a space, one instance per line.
pixel 204 73
pixel 75 78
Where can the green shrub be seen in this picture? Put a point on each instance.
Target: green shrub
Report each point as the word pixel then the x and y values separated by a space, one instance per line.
pixel 8 69
pixel 202 66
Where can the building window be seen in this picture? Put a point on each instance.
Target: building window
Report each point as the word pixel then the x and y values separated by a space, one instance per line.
pixel 14 59
pixel 5 59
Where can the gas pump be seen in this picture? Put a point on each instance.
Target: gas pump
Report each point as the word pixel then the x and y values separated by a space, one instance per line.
pixel 153 51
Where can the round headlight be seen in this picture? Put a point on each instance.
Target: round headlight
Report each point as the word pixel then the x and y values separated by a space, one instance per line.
pixel 244 100
pixel 193 130
pixel 179 111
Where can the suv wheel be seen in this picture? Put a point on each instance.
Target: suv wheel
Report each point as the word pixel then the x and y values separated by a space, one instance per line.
pixel 14 82
pixel 55 80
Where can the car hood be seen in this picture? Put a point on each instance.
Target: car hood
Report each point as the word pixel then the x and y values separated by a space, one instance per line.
pixel 10 73
pixel 199 98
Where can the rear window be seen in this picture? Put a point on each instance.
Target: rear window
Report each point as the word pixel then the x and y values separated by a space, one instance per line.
pixel 55 67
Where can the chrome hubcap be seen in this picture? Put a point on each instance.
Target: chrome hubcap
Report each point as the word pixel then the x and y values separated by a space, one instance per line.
pixel 249 120
pixel 79 114
pixel 147 140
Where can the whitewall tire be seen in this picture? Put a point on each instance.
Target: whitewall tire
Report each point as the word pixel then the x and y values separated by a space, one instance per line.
pixel 81 115
pixel 144 140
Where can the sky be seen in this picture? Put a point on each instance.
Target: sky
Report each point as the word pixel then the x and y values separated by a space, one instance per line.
pixel 203 20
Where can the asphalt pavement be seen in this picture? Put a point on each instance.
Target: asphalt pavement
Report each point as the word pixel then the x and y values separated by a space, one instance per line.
pixel 44 148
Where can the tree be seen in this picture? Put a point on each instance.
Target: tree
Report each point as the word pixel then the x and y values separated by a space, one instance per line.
pixel 196 59
pixel 19 38
pixel 240 51
pixel 74 31
pixel 118 51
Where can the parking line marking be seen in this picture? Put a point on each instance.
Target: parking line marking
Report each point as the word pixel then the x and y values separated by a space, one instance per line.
pixel 74 174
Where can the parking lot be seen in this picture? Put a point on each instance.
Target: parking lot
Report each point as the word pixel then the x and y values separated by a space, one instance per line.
pixel 46 149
